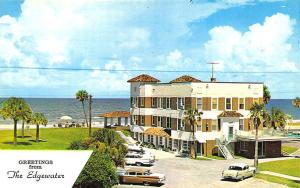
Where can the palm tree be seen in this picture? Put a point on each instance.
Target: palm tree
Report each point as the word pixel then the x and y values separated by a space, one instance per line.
pixel 13 108
pixel 275 117
pixel 267 95
pixel 38 119
pixel 191 117
pixel 26 117
pixel 82 96
pixel 256 112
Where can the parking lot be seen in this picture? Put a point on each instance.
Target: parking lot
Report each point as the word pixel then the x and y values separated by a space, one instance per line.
pixel 184 172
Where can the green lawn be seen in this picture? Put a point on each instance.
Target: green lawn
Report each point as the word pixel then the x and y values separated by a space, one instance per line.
pixel 288 149
pixel 55 138
pixel 275 179
pixel 289 167
pixel 126 132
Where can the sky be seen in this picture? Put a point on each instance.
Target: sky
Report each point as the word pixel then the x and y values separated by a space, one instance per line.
pixel 182 35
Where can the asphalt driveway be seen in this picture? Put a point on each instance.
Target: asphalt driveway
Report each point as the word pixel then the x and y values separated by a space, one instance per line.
pixel 188 173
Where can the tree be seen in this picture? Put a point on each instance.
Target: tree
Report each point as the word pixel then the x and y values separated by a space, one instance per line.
pixel 82 96
pixel 98 172
pixel 191 117
pixel 14 108
pixel 256 112
pixel 266 95
pixel 26 115
pixel 296 102
pixel 38 119
pixel 106 141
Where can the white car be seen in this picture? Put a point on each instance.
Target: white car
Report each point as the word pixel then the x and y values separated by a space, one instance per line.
pixel 133 147
pixel 144 153
pixel 138 159
pixel 238 171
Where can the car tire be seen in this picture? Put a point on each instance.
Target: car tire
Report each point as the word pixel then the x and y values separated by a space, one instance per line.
pixel 138 164
pixel 242 178
pixel 146 183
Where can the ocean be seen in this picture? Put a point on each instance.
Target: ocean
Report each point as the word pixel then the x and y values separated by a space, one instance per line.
pixel 55 108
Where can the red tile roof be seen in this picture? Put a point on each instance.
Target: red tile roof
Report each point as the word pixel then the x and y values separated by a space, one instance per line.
pixel 143 78
pixel 185 78
pixel 158 131
pixel 115 114
pixel 230 114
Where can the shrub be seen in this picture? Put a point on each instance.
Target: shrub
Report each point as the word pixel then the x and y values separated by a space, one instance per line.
pixel 98 172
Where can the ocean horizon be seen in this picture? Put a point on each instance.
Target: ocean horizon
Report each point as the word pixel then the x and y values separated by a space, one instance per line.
pixel 54 108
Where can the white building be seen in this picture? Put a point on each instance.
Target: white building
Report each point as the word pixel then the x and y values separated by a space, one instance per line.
pixel 158 108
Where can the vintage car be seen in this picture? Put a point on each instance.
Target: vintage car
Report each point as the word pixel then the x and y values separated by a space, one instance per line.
pixel 133 147
pixel 238 171
pixel 141 176
pixel 144 153
pixel 138 159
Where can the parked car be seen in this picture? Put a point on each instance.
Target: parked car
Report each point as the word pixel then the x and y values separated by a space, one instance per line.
pixel 138 159
pixel 144 153
pixel 133 147
pixel 141 176
pixel 238 171
pixel 182 153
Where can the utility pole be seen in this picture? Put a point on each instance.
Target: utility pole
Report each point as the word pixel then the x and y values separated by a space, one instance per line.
pixel 212 79
pixel 90 115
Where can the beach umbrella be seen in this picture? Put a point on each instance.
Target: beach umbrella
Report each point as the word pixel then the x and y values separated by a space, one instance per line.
pixel 66 118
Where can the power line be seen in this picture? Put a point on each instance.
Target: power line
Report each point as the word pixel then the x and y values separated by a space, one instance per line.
pixel 148 70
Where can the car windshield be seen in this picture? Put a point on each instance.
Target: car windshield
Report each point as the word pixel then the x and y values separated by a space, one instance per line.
pixel 235 168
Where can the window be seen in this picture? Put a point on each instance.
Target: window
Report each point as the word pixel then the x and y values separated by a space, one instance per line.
pixel 199 103
pixel 134 102
pixel 132 173
pixel 255 100
pixel 214 125
pixel 168 103
pixel 168 122
pixel 243 146
pixel 149 138
pixel 142 120
pixel 142 101
pixel 163 103
pixel 180 103
pixel 175 143
pixel 159 121
pixel 242 103
pixel 228 103
pixel 185 145
pixel 136 120
pixel 214 105
pixel 159 102
pixel 180 124
pixel 154 102
pixel 241 124
pixel 199 127
pixel 160 141
pixel 154 120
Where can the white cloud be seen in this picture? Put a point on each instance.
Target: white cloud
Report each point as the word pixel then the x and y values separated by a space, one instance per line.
pixel 264 46
pixel 174 60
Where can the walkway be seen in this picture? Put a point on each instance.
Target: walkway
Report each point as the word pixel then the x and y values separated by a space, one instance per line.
pixel 280 175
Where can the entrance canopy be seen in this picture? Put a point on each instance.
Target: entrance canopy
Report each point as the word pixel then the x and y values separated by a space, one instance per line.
pixel 157 131
pixel 230 114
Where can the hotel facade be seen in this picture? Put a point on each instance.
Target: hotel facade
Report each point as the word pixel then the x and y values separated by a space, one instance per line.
pixel 157 114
